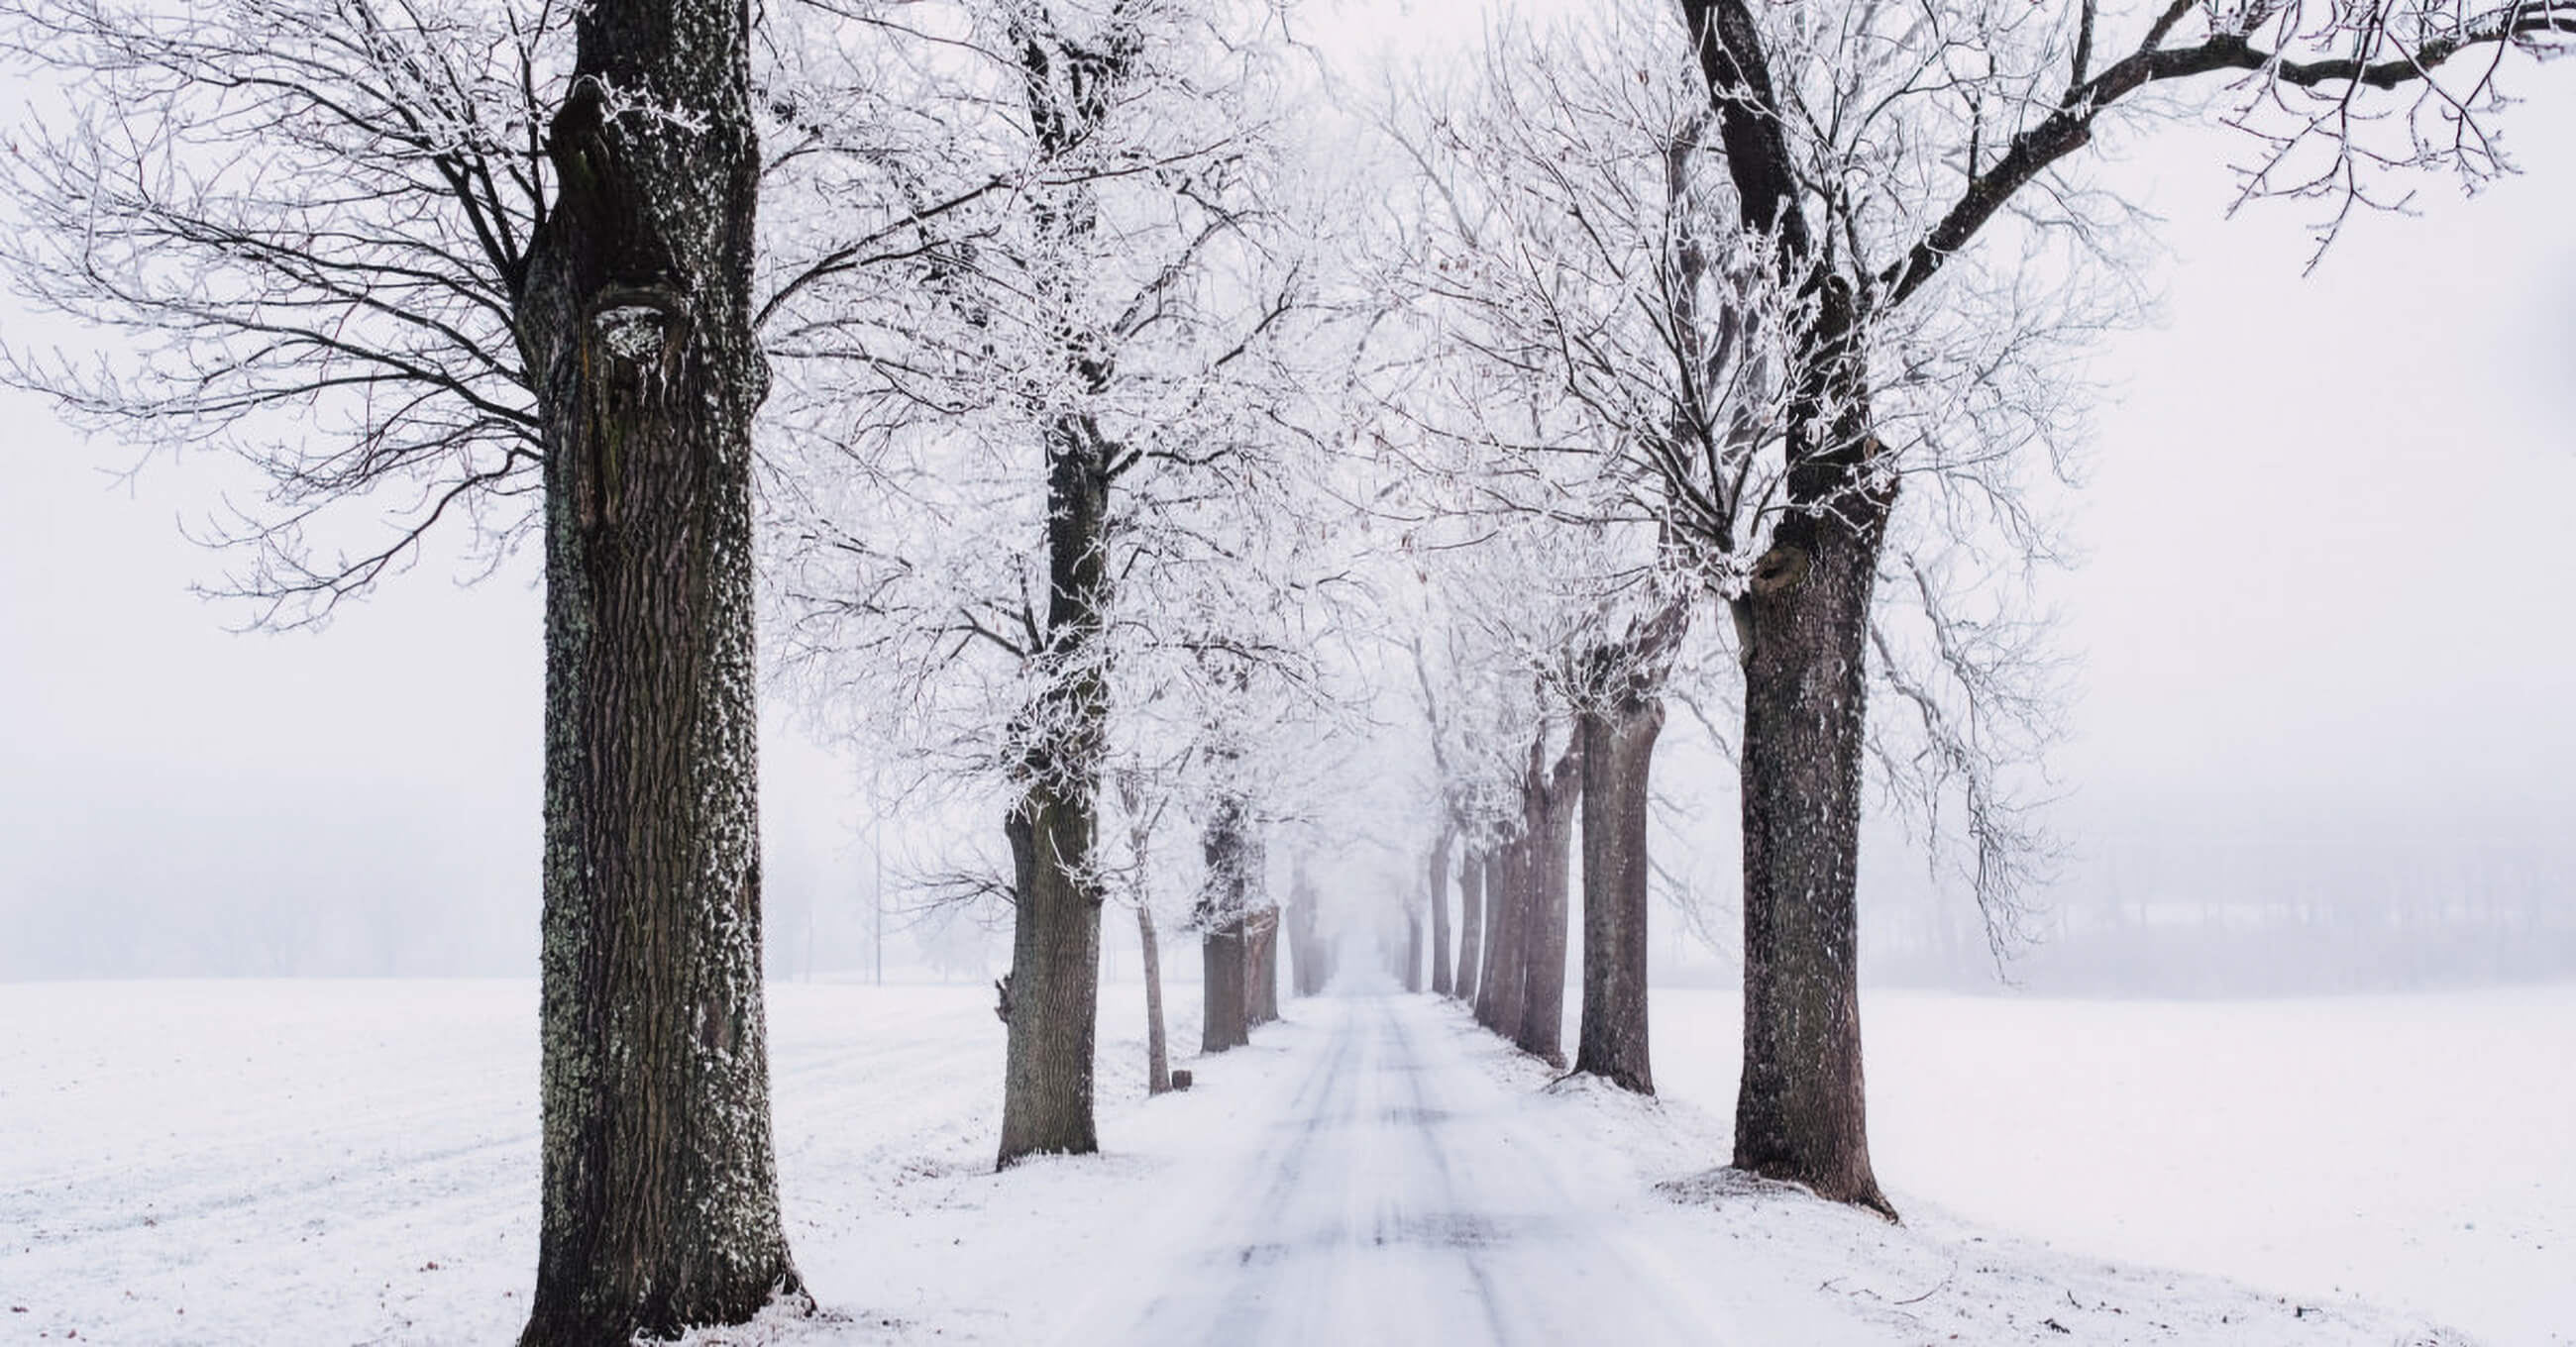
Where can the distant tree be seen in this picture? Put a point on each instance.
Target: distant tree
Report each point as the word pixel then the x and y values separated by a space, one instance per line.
pixel 1471 924
pixel 1436 888
pixel 1143 811
pixel 1228 898
pixel 992 478
pixel 1705 296
pixel 449 264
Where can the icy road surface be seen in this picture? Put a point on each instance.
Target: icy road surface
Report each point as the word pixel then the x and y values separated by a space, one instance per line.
pixel 1390 1196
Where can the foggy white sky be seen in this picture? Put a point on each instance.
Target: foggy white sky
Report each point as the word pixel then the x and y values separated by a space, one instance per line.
pixel 2328 578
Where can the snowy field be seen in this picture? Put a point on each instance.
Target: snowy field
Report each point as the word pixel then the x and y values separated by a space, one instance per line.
pixel 355 1162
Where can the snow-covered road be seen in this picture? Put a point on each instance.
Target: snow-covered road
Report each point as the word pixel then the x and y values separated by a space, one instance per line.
pixel 1388 1195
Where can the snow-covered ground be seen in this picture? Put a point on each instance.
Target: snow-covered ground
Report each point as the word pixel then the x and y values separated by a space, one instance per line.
pixel 354 1162
pixel 2418 1151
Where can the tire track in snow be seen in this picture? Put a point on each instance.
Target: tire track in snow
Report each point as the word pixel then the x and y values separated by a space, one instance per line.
pixel 1398 1197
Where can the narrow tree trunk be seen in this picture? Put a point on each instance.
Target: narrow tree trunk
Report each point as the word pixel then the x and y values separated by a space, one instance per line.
pixel 660 1194
pixel 1225 1009
pixel 1506 921
pixel 1261 968
pixel 1158 1061
pixel 1221 1017
pixel 1300 960
pixel 1305 958
pixel 1440 913
pixel 1618 757
pixel 1540 1031
pixel 1471 926
pixel 1412 978
pixel 1497 898
pixel 1799 1112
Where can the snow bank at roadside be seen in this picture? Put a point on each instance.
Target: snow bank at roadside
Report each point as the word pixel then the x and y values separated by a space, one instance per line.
pixel 1933 1278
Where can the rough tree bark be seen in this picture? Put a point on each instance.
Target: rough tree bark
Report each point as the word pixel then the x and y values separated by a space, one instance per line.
pixel 1440 912
pixel 1618 757
pixel 1800 1110
pixel 1223 1022
pixel 1471 925
pixel 659 1178
pixel 1617 729
pixel 1221 1011
pixel 1052 1001
pixel 1051 998
pixel 1549 816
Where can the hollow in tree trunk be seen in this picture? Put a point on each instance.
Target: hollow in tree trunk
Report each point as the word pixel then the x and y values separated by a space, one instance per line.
pixel 660 1193
pixel 1618 758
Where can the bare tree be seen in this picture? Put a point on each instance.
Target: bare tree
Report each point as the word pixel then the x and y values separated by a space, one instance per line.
pixel 1674 281
pixel 1142 815
pixel 494 255
pixel 1869 152
pixel 1090 361
pixel 302 234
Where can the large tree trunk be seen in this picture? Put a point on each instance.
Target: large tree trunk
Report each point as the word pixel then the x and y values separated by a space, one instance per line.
pixel 1618 759
pixel 1158 1060
pixel 1050 999
pixel 1471 926
pixel 1440 913
pixel 1802 625
pixel 1540 1031
pixel 1053 991
pixel 1799 1111
pixel 659 1180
